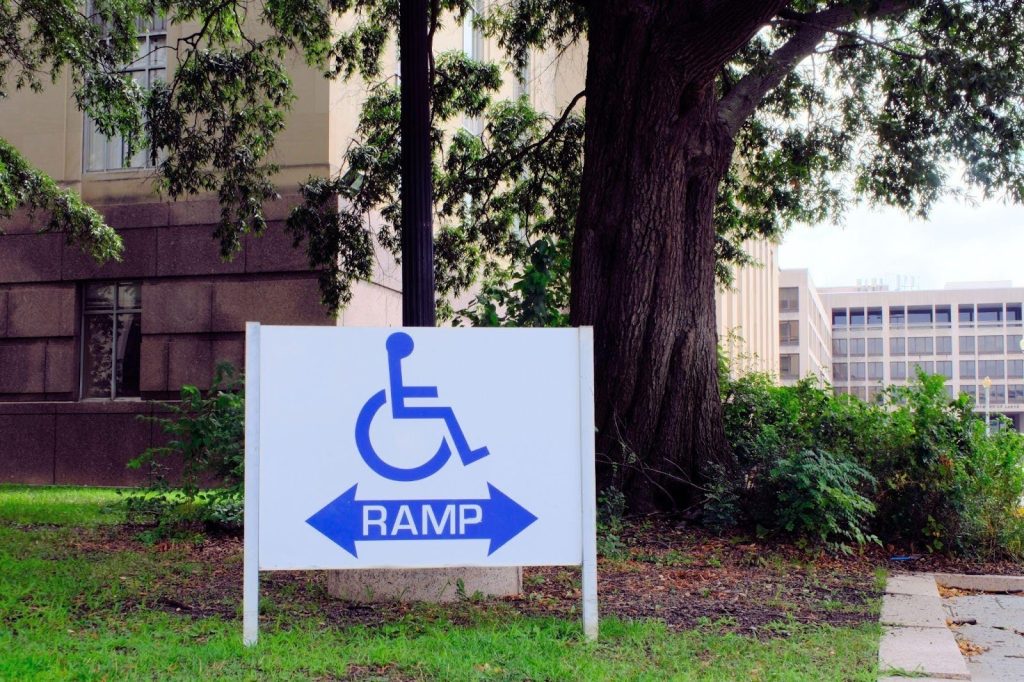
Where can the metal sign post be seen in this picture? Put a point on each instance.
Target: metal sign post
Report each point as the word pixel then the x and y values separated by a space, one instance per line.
pixel 418 448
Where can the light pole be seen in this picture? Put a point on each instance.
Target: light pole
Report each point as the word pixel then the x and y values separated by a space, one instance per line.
pixel 987 383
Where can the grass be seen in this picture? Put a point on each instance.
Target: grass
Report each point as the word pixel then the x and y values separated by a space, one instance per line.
pixel 74 607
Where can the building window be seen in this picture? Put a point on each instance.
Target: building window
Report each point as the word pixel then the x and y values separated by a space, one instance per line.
pixel 920 345
pixel 967 370
pixel 990 314
pixel 789 299
pixel 945 368
pixel 839 371
pixel 857 347
pixel 789 366
pixel 1015 369
pixel 1013 344
pixel 919 315
pixel 966 315
pixel 991 368
pixel 997 394
pixel 111 340
pixel 875 346
pixel 897 346
pixel 897 316
pixel 1015 393
pixel 927 366
pixel 1013 314
pixel 990 344
pixel 943 315
pixel 949 390
pixel 874 317
pixel 897 370
pixel 875 371
pixel 840 347
pixel 944 345
pixel 969 389
pixel 789 332
pixel 104 153
pixel 858 392
pixel 838 317
pixel 874 393
pixel 857 318
pixel 857 371
pixel 967 344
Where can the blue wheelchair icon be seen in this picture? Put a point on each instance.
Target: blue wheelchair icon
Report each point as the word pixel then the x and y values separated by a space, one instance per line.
pixel 399 345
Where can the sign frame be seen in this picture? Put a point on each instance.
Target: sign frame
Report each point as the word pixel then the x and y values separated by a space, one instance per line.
pixel 251 515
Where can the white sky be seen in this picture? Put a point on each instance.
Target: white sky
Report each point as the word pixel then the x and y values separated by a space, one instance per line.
pixel 958 242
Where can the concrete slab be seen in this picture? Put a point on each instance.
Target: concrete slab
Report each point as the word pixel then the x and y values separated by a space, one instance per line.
pixel 920 584
pixel 982 583
pixel 427 584
pixel 931 651
pixel 922 611
pixel 999 629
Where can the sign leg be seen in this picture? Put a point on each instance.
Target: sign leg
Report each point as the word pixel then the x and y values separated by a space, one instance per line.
pixel 588 497
pixel 251 549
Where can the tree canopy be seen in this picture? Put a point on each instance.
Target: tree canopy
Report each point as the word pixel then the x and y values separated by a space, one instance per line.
pixel 702 123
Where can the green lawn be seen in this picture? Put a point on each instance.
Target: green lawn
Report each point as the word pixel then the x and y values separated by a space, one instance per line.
pixel 77 598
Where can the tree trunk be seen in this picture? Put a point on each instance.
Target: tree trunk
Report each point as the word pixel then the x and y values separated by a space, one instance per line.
pixel 643 258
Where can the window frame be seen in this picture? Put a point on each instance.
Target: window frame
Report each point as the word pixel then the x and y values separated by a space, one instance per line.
pixel 113 313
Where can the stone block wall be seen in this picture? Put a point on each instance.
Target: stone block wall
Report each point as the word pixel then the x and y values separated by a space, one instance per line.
pixel 194 309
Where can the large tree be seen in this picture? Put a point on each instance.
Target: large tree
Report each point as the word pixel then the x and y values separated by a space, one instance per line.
pixel 702 123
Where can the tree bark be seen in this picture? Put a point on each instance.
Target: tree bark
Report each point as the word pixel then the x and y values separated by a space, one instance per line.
pixel 643 255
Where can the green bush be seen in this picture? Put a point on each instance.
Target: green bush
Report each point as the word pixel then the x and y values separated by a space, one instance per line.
pixel 207 445
pixel 914 468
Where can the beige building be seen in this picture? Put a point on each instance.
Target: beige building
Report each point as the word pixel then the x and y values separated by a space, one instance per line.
pixel 805 337
pixel 85 349
pixel 967 333
pixel 746 317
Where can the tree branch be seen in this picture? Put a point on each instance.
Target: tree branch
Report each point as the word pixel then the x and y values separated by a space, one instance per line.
pixel 735 107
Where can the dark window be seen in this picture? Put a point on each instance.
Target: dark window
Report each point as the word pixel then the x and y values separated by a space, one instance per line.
pixel 1015 369
pixel 967 370
pixel 839 317
pixel 839 347
pixel 920 345
pixel 858 371
pixel 897 316
pixel 1015 393
pixel 919 315
pixel 857 347
pixel 789 332
pixel 875 370
pixel 945 368
pixel 997 395
pixel 970 389
pixel 789 366
pixel 857 318
pixel 990 313
pixel 942 314
pixel 897 370
pixel 966 313
pixel 1013 312
pixel 789 299
pixel 897 346
pixel 875 346
pixel 967 344
pixel 839 371
pixel 875 317
pixel 111 340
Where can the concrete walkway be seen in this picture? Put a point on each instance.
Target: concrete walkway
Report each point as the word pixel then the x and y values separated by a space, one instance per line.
pixel 917 638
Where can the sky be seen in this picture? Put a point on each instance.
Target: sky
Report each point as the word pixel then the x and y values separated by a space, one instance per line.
pixel 958 242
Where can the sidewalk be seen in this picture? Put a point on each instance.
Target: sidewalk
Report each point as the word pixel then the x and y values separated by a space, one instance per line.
pixel 920 629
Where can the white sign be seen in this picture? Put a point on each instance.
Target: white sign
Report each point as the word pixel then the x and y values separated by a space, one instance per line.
pixel 416 448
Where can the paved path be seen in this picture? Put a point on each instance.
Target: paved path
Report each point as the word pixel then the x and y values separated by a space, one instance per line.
pixel 916 637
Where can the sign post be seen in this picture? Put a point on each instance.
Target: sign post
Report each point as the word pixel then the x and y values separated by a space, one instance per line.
pixel 418 448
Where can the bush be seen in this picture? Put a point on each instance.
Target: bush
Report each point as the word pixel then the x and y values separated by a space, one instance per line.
pixel 915 468
pixel 207 443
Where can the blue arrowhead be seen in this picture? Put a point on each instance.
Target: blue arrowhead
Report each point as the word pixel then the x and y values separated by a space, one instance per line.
pixel 505 518
pixel 339 521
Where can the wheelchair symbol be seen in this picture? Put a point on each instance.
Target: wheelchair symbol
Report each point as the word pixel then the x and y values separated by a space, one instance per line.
pixel 399 345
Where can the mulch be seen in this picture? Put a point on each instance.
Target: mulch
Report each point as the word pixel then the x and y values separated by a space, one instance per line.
pixel 685 577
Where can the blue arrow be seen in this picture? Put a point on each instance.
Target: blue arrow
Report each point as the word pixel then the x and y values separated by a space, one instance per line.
pixel 346 521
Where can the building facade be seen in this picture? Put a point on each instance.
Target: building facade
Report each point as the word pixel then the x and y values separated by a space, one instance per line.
pixel 745 312
pixel 805 335
pixel 968 334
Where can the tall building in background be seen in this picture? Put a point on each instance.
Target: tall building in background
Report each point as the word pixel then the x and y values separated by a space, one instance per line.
pixel 805 337
pixel 966 333
pixel 746 312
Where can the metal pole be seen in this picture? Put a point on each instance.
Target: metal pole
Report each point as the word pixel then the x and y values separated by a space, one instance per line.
pixel 251 512
pixel 417 192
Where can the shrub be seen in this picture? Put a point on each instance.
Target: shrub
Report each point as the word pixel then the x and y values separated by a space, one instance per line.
pixel 207 443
